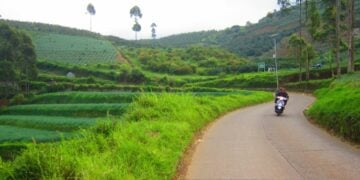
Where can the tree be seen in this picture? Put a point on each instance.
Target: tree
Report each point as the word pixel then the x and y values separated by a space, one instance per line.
pixel 314 19
pixel 153 30
pixel 28 69
pixel 295 42
pixel 328 28
pixel 136 12
pixel 137 28
pixel 91 10
pixel 310 54
pixel 8 79
pixel 17 60
pixel 338 34
pixel 284 4
pixel 300 45
pixel 351 46
pixel 331 26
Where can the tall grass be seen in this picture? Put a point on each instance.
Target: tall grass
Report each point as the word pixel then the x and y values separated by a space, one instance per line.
pixel 147 144
pixel 338 107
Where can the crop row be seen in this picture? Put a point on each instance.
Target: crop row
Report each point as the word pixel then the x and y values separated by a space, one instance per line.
pixel 54 123
pixel 84 97
pixel 77 57
pixel 74 110
pixel 10 133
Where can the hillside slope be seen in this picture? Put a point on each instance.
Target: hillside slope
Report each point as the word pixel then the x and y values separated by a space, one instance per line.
pixel 68 45
pixel 250 40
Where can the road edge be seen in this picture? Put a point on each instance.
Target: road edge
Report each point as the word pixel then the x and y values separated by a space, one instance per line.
pixel 186 159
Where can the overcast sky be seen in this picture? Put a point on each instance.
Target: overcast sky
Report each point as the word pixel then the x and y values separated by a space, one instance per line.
pixel 113 16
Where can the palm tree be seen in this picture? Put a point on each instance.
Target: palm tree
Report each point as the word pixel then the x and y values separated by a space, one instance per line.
pixel 153 30
pixel 91 10
pixel 136 12
pixel 136 27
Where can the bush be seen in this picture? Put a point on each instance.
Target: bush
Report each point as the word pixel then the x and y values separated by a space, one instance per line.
pixel 18 99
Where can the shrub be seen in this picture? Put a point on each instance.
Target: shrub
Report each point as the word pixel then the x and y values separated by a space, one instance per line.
pixel 18 99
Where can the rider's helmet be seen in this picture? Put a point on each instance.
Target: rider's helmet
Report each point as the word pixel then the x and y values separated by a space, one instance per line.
pixel 282 89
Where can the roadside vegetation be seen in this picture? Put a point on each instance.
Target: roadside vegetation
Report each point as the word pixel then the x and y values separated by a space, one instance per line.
pixel 338 107
pixel 146 143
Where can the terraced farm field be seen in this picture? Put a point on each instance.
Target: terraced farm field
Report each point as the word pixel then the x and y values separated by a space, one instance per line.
pixel 77 50
pixel 53 116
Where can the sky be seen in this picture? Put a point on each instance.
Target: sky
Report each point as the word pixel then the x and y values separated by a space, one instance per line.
pixel 113 16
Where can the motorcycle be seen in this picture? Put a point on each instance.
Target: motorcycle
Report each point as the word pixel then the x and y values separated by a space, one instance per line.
pixel 280 105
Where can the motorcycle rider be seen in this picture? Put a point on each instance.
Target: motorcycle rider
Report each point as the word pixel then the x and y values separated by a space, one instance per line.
pixel 282 92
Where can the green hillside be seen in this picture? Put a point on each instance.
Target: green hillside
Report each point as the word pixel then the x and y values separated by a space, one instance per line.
pixel 183 61
pixel 68 45
pixel 250 40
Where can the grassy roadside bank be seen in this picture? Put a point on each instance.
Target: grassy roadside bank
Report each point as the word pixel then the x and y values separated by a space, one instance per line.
pixel 147 143
pixel 337 107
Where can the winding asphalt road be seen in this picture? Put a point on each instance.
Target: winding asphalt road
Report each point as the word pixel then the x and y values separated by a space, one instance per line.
pixel 253 143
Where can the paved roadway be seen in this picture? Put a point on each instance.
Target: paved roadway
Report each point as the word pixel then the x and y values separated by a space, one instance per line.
pixel 253 143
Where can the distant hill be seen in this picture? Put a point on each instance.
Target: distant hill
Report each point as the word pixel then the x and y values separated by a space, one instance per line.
pixel 251 40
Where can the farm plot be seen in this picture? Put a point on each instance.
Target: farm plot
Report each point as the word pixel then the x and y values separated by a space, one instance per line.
pixel 13 133
pixel 75 110
pixel 76 50
pixel 84 97
pixel 54 123
pixel 52 116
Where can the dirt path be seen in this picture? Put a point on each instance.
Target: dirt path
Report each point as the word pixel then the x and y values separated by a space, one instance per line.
pixel 253 143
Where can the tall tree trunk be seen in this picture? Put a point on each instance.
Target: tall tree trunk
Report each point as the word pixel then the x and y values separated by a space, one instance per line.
pixel 338 34
pixel 26 79
pixel 90 22
pixel 300 67
pixel 307 66
pixel 307 70
pixel 351 14
pixel 306 11
pixel 331 64
pixel 300 47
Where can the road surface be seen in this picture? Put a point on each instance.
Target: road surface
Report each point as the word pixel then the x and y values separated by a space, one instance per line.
pixel 253 143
